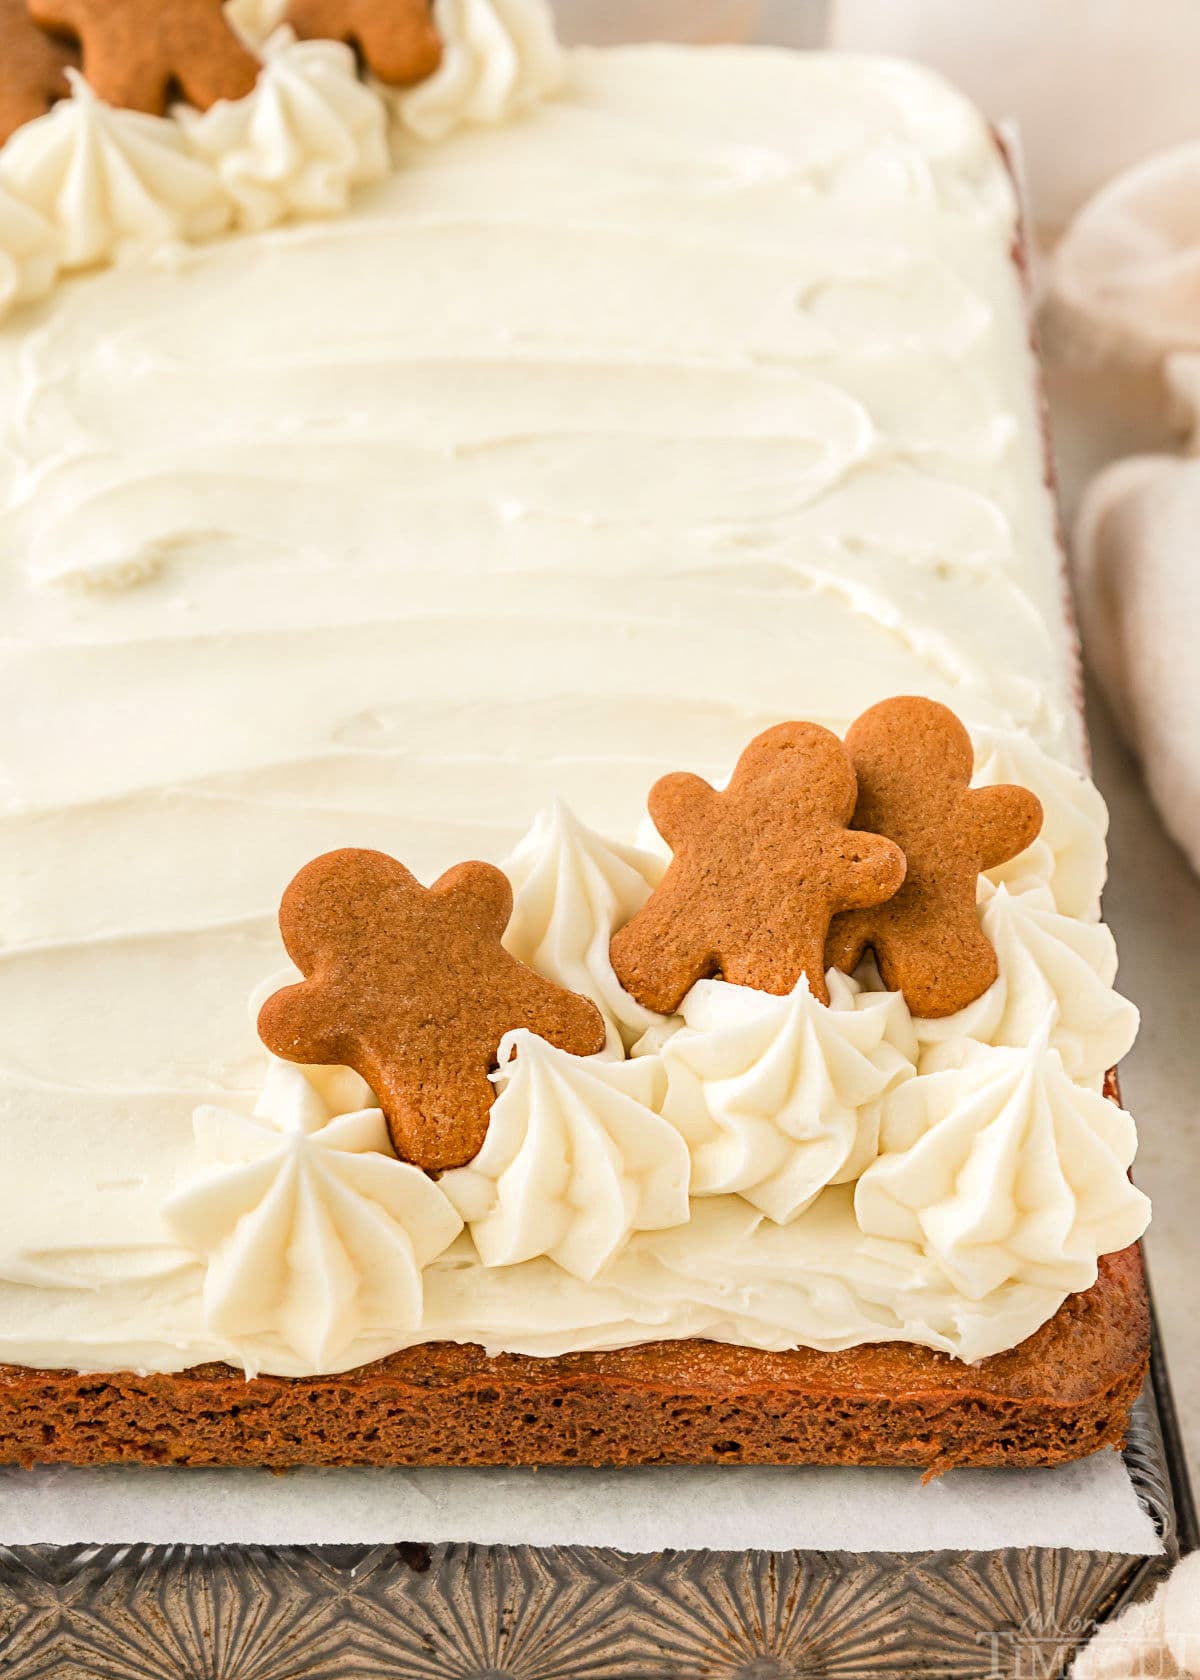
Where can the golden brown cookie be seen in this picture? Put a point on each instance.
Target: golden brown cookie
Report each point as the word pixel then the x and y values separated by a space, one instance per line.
pixel 913 760
pixel 31 68
pixel 395 38
pixel 142 53
pixel 411 987
pixel 758 871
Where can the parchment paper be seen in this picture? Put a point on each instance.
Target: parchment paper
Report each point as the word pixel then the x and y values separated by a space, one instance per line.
pixel 1086 1506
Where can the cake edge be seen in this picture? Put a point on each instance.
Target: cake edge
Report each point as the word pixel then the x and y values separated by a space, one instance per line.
pixel 1063 1393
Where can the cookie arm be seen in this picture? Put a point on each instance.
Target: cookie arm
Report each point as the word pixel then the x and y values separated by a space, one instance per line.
pixel 1006 820
pixel 565 1019
pixel 287 1027
pixel 871 871
pixel 681 804
pixel 479 891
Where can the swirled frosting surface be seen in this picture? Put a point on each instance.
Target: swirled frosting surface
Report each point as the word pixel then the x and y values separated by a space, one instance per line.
pixel 582 447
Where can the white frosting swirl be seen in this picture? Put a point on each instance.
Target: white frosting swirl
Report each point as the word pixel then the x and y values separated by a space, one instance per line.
pixel 296 145
pixel 109 178
pixel 572 889
pixel 1051 966
pixel 780 1096
pixel 1069 855
pixel 1004 1170
pixel 576 1159
pixel 256 20
pixel 29 252
pixel 315 1234
pixel 498 57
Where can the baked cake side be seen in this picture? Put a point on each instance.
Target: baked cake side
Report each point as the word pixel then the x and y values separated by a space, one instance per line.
pixel 1063 1393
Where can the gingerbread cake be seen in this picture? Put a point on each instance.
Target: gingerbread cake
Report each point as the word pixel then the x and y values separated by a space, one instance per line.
pixel 550 894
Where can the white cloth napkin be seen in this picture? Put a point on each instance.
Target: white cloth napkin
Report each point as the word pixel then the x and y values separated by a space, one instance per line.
pixel 1124 299
pixel 1126 276
pixel 1160 1637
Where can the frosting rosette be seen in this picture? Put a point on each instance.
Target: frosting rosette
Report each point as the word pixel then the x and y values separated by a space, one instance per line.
pixel 575 1161
pixel 778 1097
pixel 296 146
pixel 109 179
pixel 498 57
pixel 256 20
pixel 1069 855
pixel 1052 968
pixel 29 252
pixel 572 889
pixel 1005 1170
pixel 314 1233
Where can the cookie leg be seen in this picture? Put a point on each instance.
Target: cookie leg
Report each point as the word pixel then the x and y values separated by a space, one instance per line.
pixel 941 971
pixel 654 962
pixel 434 1123
pixel 849 937
pixel 224 70
pixel 775 959
pixel 400 42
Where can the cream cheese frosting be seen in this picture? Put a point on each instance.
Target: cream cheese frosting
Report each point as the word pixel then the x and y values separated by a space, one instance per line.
pixel 575 1161
pixel 572 890
pixel 1005 1171
pixel 579 449
pixel 29 252
pixel 314 1234
pixel 111 180
pixel 499 58
pixel 1053 968
pixel 308 134
pixel 1069 856
pixel 780 1096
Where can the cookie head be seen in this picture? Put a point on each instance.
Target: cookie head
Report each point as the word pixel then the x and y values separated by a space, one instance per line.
pixel 757 873
pixel 894 737
pixel 411 987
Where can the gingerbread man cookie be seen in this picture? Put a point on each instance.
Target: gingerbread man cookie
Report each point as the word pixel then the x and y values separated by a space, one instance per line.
pixel 411 987
pixel 396 38
pixel 914 761
pixel 31 68
pixel 758 872
pixel 142 53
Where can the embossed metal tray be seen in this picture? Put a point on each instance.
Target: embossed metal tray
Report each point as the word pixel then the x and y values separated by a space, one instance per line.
pixel 409 1611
